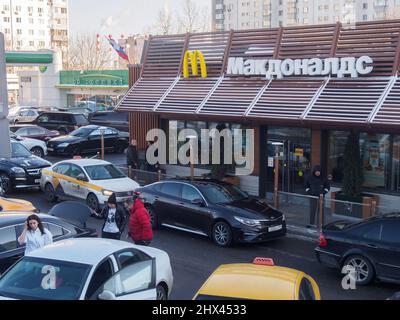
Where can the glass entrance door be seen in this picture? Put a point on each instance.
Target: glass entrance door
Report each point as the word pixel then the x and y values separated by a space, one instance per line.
pixel 294 160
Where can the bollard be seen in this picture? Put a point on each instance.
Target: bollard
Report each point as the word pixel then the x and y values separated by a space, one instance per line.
pixel 321 212
pixel 373 208
pixel 159 175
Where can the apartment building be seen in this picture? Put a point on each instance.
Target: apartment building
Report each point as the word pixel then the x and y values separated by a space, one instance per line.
pixel 34 24
pixel 245 14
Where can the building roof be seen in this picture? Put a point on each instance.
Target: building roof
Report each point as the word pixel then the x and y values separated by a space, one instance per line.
pixel 368 100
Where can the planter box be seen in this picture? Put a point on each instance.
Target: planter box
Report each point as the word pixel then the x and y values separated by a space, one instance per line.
pixel 233 180
pixel 349 208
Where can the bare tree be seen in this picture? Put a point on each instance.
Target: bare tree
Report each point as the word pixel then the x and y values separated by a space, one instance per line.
pixel 193 18
pixel 164 24
pixel 188 17
pixel 88 52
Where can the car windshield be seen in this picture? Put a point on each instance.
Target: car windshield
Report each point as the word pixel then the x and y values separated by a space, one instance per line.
pixel 19 151
pixel 82 132
pixel 222 194
pixel 42 279
pixel 104 172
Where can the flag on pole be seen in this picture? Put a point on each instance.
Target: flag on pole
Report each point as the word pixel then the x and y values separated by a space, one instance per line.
pixel 121 52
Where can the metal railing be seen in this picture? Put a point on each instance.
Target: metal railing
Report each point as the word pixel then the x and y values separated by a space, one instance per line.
pixel 304 210
pixel 145 177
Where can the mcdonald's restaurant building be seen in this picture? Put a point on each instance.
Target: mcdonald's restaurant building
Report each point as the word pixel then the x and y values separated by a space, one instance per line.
pixel 302 89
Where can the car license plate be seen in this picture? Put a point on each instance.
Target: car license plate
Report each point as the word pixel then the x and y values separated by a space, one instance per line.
pixel 37 180
pixel 276 228
pixel 50 149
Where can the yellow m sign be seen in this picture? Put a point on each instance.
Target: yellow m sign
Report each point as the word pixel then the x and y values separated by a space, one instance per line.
pixel 193 58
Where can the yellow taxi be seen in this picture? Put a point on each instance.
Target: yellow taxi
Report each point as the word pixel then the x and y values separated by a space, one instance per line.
pixel 261 280
pixel 16 205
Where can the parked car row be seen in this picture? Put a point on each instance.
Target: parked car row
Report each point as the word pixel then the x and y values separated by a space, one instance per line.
pixel 69 120
pixel 119 271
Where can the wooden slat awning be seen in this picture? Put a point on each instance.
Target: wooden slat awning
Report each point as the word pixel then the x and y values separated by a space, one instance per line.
pixel 389 113
pixel 369 99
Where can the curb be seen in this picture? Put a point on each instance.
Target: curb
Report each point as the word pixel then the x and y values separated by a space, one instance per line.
pixel 302 233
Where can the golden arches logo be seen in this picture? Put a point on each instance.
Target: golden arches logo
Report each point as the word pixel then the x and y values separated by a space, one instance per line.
pixel 194 57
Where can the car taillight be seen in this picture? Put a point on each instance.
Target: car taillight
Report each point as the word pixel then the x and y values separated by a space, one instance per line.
pixel 322 241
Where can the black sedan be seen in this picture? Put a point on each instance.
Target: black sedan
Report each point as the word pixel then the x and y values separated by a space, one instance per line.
pixel 369 249
pixel 86 140
pixel 214 209
pixel 23 170
pixel 12 225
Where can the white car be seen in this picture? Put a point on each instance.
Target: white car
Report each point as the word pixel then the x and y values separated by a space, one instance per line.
pixel 37 147
pixel 87 179
pixel 89 269
pixel 22 114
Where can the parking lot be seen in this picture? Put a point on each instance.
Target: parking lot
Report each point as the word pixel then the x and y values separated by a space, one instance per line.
pixel 194 258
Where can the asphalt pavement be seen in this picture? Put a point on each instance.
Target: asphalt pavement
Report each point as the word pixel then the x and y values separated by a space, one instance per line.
pixel 194 257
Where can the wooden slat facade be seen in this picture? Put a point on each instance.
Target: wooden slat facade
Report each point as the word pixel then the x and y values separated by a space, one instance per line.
pixel 313 100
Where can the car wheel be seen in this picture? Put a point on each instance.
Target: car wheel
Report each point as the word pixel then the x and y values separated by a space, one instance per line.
pixel 63 131
pixel 364 271
pixel 5 183
pixel 222 234
pixel 50 193
pixel 37 151
pixel 119 149
pixel 93 202
pixel 161 293
pixel 75 152
pixel 153 217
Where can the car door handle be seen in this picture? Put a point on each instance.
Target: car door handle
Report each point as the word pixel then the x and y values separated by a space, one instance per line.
pixel 372 246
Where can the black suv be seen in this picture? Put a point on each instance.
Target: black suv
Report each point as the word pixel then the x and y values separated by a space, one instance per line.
pixel 22 170
pixel 212 208
pixel 116 120
pixel 61 121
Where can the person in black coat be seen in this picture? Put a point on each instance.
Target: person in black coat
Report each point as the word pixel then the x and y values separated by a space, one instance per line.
pixel 132 158
pixel 114 219
pixel 316 185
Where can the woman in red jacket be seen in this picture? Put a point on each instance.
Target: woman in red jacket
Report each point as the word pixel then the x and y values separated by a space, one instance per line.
pixel 140 228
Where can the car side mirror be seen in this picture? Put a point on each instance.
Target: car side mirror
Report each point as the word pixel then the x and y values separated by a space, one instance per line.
pixel 198 202
pixel 82 178
pixel 107 296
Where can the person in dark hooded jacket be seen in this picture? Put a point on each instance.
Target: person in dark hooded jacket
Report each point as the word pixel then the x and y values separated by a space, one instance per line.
pixel 316 185
pixel 140 229
pixel 114 217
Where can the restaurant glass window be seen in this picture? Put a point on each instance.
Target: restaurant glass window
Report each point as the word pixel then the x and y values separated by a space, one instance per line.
pixel 395 183
pixel 198 126
pixel 378 162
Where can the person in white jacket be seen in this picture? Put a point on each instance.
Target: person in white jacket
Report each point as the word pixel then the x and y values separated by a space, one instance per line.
pixel 34 236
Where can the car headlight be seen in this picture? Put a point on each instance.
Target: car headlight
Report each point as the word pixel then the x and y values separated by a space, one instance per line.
pixel 107 193
pixel 249 222
pixel 18 170
pixel 63 145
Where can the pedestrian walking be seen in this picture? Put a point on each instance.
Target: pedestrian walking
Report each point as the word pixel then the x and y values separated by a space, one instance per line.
pixel 34 236
pixel 132 158
pixel 114 217
pixel 316 185
pixel 140 229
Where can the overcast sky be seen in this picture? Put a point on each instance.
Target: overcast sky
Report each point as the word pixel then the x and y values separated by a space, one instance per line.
pixel 118 17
